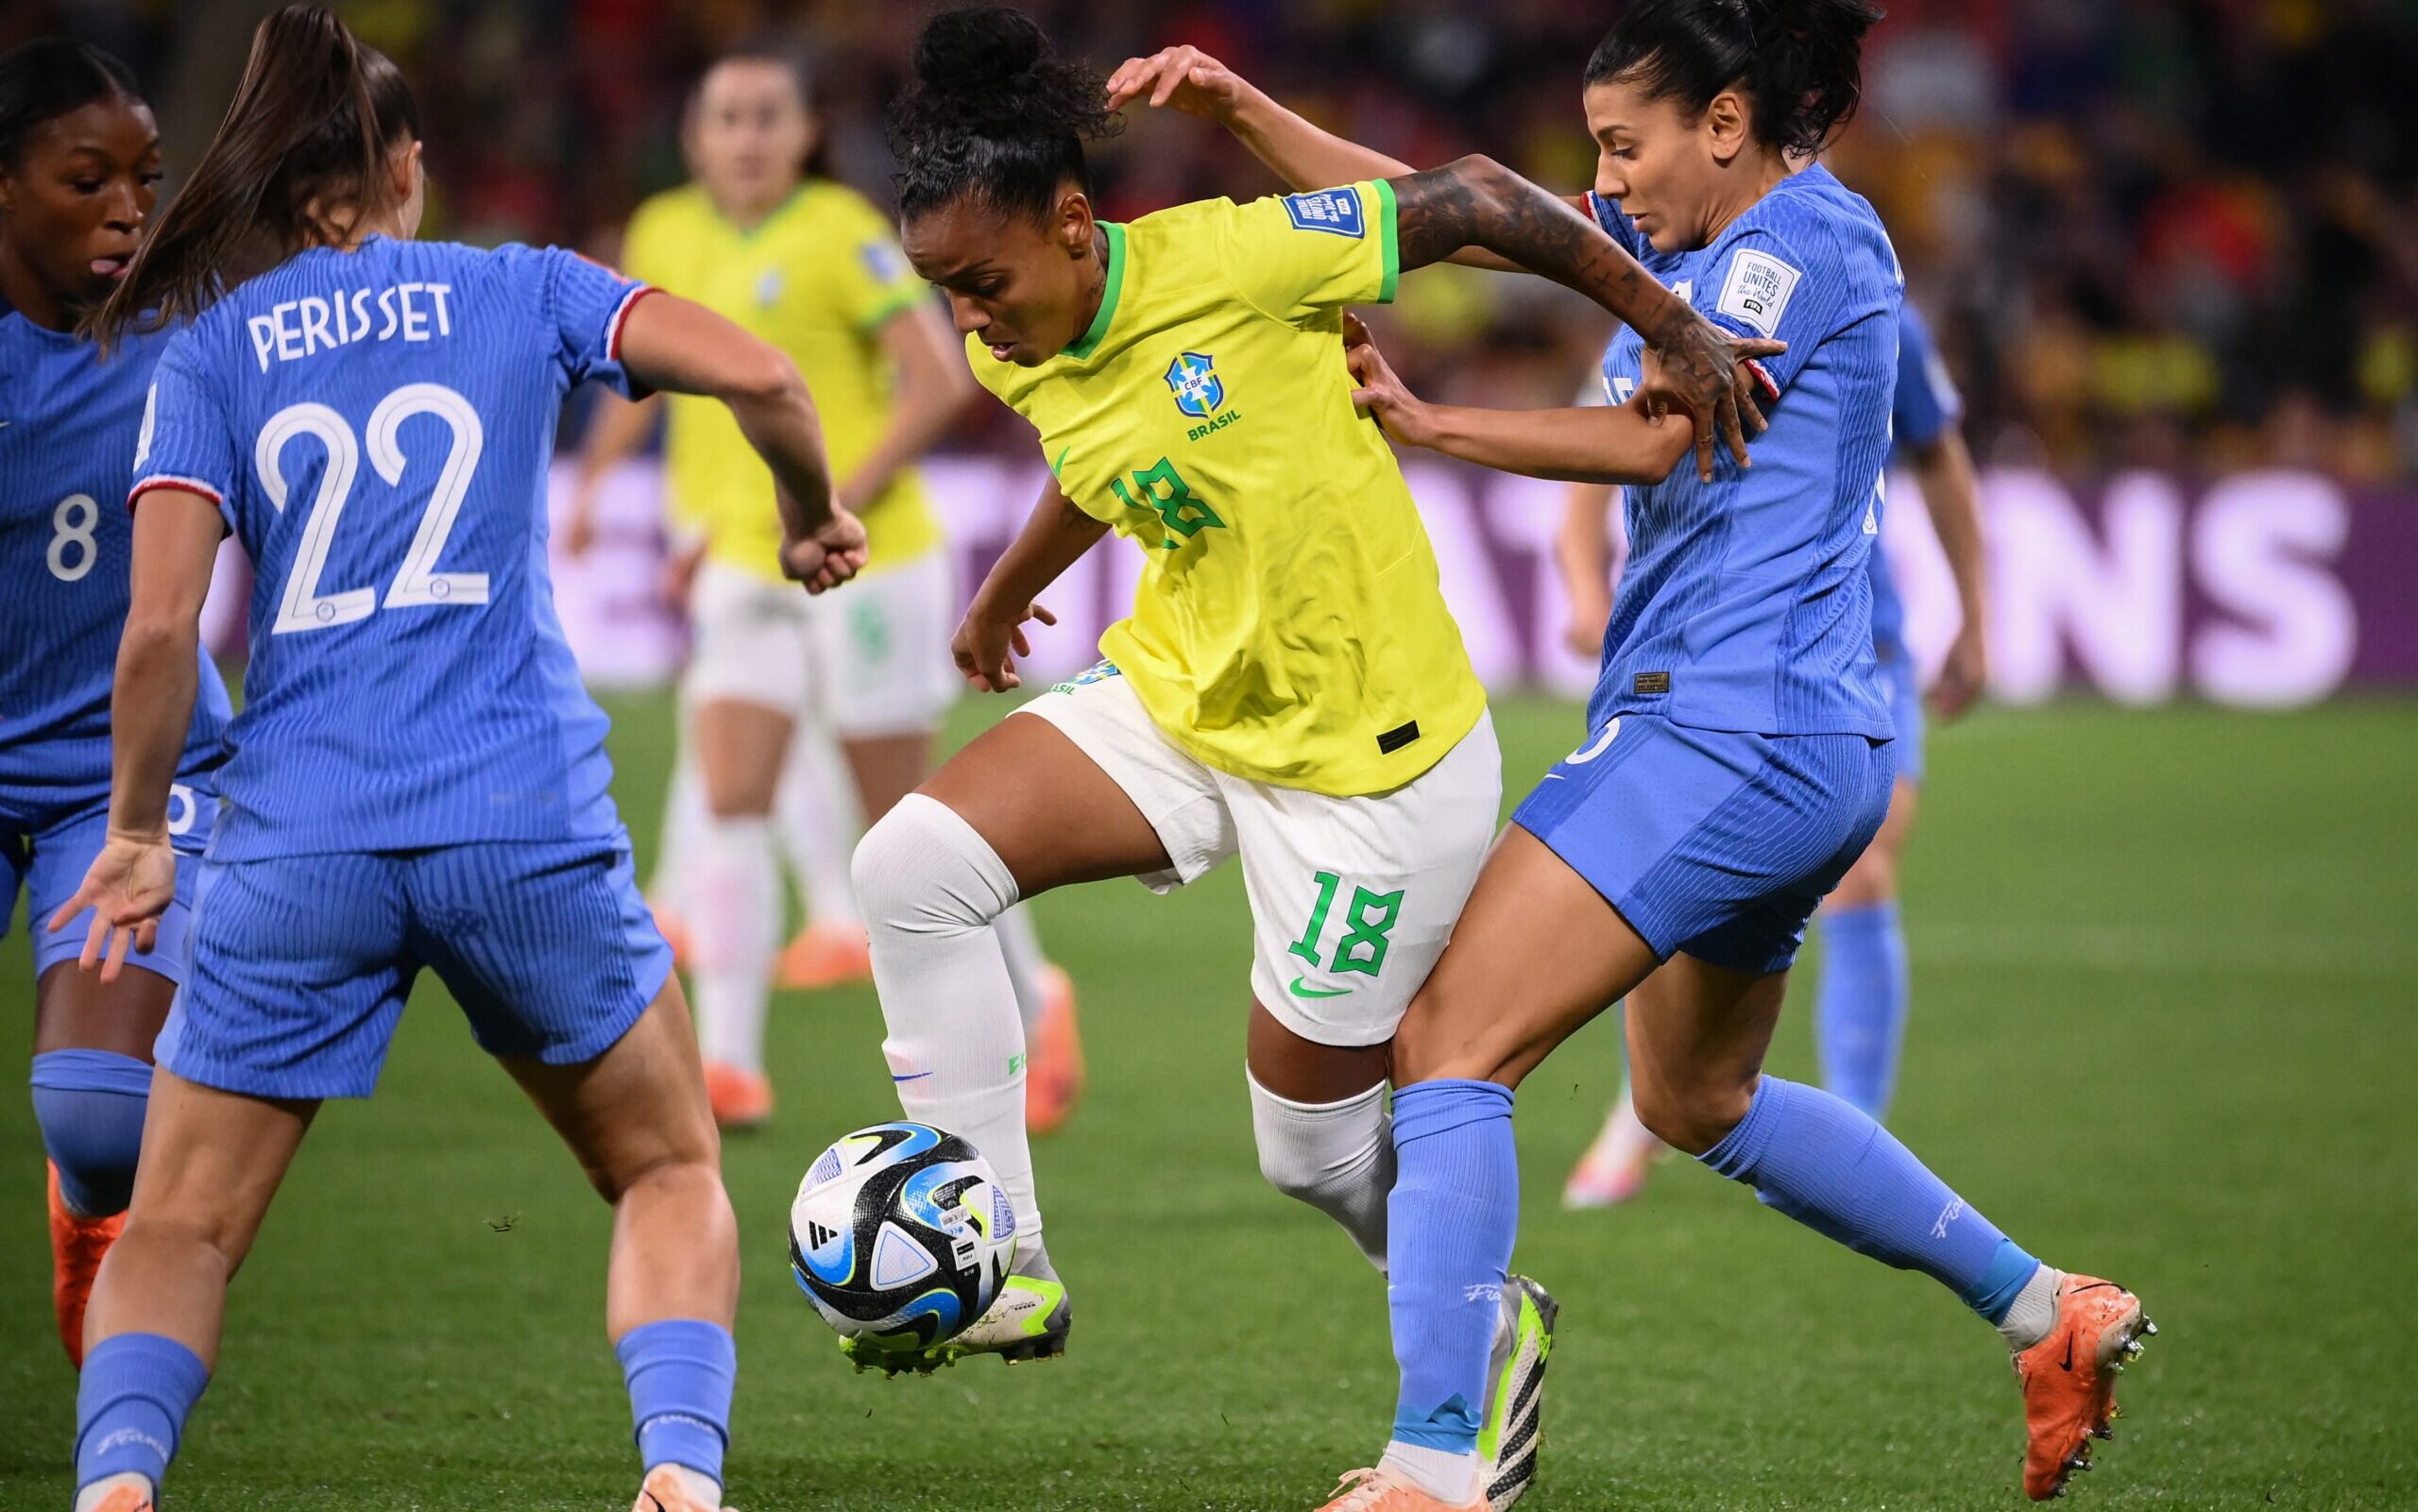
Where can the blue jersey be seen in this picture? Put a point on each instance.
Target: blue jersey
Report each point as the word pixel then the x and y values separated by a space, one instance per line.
pixel 1927 407
pixel 1745 604
pixel 68 421
pixel 377 427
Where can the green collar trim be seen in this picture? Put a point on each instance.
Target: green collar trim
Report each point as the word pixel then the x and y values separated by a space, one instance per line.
pixel 1083 349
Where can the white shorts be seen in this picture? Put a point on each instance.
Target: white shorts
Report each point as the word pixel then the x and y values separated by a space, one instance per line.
pixel 1352 899
pixel 867 659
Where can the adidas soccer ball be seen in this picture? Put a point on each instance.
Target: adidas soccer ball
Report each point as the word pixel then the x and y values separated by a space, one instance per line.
pixel 900 1235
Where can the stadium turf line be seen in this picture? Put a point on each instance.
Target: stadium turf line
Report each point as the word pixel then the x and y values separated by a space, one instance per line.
pixel 2164 975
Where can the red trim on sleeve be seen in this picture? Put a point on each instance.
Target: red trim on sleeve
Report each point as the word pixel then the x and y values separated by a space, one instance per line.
pixel 621 316
pixel 161 480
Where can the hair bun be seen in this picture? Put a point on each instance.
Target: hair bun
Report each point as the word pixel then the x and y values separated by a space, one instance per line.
pixel 978 53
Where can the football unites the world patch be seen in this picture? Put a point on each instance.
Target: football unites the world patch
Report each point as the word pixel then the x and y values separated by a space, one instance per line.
pixel 1193 379
pixel 1758 289
pixel 1335 211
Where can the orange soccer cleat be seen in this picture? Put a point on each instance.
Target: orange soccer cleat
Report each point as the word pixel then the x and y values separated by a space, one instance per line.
pixel 1054 1066
pixel 667 1488
pixel 825 954
pixel 1381 1490
pixel 77 1246
pixel 741 1099
pixel 2069 1379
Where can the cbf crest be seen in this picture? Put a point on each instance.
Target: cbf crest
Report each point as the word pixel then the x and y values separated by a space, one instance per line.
pixel 1199 391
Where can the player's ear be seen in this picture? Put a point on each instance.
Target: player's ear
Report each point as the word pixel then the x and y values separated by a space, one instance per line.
pixel 1074 227
pixel 1727 125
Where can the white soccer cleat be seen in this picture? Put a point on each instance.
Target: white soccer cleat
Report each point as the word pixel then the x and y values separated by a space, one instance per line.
pixel 1029 1319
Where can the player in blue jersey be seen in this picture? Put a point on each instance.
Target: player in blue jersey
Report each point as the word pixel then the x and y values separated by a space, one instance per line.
pixel 1860 999
pixel 80 168
pixel 418 779
pixel 1738 758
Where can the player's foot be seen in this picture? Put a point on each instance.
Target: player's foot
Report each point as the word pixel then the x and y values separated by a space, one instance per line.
pixel 825 954
pixel 674 929
pixel 1029 1319
pixel 2069 1379
pixel 741 1099
pixel 124 1492
pixel 1615 1168
pixel 1381 1490
pixel 1053 1079
pixel 1514 1432
pixel 77 1246
pixel 672 1489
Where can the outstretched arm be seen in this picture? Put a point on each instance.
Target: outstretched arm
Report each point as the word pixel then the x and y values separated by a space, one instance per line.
pixel 1303 155
pixel 1598 444
pixel 668 342
pixel 1703 369
pixel 991 637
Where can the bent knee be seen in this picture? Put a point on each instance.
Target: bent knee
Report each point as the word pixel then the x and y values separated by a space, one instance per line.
pixel 1693 1119
pixel 922 868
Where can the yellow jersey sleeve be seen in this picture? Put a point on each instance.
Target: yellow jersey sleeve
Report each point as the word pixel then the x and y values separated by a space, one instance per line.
pixel 870 279
pixel 649 239
pixel 1294 256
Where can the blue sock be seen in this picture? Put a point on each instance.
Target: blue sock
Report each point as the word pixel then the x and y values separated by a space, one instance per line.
pixel 680 1372
pixel 90 1104
pixel 1833 1169
pixel 1450 1223
pixel 131 1403
pixel 1860 1009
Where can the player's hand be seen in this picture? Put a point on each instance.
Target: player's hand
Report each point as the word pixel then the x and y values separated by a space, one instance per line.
pixel 1380 391
pixel 679 576
pixel 129 885
pixel 1964 674
pixel 1712 376
pixel 988 642
pixel 579 529
pixel 1180 77
pixel 831 554
pixel 1591 611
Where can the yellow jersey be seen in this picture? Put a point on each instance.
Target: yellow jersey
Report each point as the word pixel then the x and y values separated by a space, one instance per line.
pixel 818 278
pixel 1289 626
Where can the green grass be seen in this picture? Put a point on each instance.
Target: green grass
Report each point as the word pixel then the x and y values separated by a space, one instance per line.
pixel 2165 970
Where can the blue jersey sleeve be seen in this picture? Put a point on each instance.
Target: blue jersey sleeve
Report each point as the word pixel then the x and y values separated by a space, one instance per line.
pixel 1616 225
pixel 186 441
pixel 1927 404
pixel 584 304
pixel 1765 284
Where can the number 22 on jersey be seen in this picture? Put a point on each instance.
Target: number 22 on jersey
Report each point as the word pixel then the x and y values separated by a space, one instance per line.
pixel 418 583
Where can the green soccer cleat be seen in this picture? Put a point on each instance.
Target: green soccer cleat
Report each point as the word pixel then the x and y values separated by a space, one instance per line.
pixel 1029 1319
pixel 1514 1432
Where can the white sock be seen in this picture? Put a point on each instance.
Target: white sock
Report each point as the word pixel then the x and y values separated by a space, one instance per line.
pixel 1448 1476
pixel 932 889
pixel 819 821
pixel 1338 1157
pixel 736 899
pixel 2035 1312
pixel 684 816
pixel 94 1494
pixel 1021 947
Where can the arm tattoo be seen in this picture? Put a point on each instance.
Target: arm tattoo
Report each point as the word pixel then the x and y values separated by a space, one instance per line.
pixel 1478 203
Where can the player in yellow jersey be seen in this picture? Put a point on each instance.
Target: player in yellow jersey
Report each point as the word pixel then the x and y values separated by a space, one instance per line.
pixel 808 265
pixel 1290 688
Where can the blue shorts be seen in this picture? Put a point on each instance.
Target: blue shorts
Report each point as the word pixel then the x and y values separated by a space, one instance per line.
pixel 1711 842
pixel 301 963
pixel 49 862
pixel 1901 683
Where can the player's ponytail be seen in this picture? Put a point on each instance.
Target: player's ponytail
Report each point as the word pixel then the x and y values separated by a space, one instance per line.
pixel 300 159
pixel 994 113
pixel 1800 62
pixel 51 77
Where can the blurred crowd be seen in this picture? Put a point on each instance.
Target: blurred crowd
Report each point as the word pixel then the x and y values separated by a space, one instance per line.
pixel 2178 232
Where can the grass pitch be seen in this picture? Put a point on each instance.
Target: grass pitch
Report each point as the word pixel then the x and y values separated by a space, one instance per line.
pixel 2166 972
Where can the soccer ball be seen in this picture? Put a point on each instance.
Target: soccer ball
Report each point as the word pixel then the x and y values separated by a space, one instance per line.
pixel 900 1235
